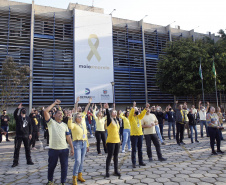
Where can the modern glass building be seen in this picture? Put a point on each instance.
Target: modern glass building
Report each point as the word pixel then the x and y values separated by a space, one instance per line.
pixel 42 38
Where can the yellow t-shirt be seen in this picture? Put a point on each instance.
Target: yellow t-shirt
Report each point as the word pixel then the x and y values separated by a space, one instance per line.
pixel 99 122
pixel 135 123
pixel 79 131
pixel 113 132
pixel 147 120
pixel 57 135
pixel 185 115
pixel 125 121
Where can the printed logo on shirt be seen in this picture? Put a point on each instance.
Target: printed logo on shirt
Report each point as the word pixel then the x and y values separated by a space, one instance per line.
pixel 105 91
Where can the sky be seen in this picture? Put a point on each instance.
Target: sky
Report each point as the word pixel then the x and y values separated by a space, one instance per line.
pixel 201 15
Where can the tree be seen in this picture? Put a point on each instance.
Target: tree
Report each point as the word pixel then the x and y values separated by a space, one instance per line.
pixel 178 69
pixel 14 82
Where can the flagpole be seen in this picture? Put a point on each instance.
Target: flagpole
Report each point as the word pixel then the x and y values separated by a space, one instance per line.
pixel 202 87
pixel 215 82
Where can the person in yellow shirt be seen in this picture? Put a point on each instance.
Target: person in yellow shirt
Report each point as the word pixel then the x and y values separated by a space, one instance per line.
pixel 136 134
pixel 80 143
pixel 100 130
pixel 113 140
pixel 126 131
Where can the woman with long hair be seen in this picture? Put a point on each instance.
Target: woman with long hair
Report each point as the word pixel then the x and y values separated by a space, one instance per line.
pixel 100 130
pixel 113 140
pixel 213 129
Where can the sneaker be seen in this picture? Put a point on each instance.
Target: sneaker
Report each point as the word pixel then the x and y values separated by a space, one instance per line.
pixel 182 143
pixel 47 147
pixel 92 135
pixel 220 152
pixel 134 166
pixel 142 164
pixel 49 183
pixel 214 153
pixel 30 163
pixel 117 174
pixel 162 159
pixel 107 175
pixel 192 142
pixel 8 140
pixel 14 165
pixel 197 141
pixel 163 143
pixel 130 150
pixel 123 151
pixel 33 148
pixel 178 144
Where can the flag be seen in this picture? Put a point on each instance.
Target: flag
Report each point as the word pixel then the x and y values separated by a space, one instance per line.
pixel 214 70
pixel 200 71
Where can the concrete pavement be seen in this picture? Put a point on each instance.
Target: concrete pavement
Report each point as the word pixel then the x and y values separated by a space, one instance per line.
pixel 185 165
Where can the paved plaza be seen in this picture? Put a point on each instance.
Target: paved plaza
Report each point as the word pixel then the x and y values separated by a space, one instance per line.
pixel 185 165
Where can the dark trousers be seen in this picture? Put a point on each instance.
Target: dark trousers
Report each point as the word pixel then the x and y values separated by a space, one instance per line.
pixel 136 142
pixel 161 129
pixel 180 132
pixel 34 138
pixel 100 135
pixel 18 140
pixel 113 150
pixel 154 139
pixel 214 135
pixel 121 133
pixel 53 159
pixel 5 128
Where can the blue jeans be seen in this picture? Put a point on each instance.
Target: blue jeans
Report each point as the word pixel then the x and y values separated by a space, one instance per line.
pixel 171 124
pixel 136 144
pixel 88 127
pixel 126 139
pixel 5 128
pixel 53 158
pixel 195 129
pixel 158 133
pixel 80 152
pixel 203 122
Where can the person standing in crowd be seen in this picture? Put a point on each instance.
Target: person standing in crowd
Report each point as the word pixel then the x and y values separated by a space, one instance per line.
pixel 220 115
pixel 186 121
pixel 137 133
pixel 179 117
pixel 38 117
pixel 192 125
pixel 23 133
pixel 4 125
pixel 35 130
pixel 171 121
pixel 113 140
pixel 58 148
pixel 126 130
pixel 213 128
pixel 202 118
pixel 161 119
pixel 80 143
pixel 148 124
pixel 100 130
pixel 89 122
pixel 121 124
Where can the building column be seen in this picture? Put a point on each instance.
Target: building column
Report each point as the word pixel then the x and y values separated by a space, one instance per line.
pixel 141 24
pixel 31 58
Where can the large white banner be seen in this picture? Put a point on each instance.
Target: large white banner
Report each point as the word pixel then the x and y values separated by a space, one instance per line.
pixel 93 57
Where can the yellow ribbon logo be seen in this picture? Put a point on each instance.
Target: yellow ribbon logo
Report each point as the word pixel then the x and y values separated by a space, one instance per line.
pixel 93 47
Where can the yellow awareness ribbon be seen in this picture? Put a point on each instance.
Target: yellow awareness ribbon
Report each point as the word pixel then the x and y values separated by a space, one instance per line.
pixel 93 47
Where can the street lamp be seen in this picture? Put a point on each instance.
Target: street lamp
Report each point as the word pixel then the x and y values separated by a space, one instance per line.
pixel 113 91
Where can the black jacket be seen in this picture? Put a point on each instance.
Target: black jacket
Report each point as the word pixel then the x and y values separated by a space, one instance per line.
pixel 191 118
pixel 3 122
pixel 23 125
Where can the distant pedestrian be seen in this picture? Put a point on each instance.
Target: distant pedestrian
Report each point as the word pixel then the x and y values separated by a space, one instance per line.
pixel 5 125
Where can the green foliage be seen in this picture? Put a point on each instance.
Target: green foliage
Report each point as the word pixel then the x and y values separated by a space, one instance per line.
pixel 14 82
pixel 12 123
pixel 178 70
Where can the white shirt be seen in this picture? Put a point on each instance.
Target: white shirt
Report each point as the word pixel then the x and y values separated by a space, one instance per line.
pixel 147 120
pixel 202 115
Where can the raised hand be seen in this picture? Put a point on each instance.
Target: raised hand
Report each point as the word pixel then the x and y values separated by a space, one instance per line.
pixel 20 106
pixel 147 105
pixel 207 103
pixel 95 107
pixel 200 102
pixel 134 104
pixel 57 102
pixel 177 102
pixel 69 115
pixel 120 112
pixel 78 99
pixel 90 100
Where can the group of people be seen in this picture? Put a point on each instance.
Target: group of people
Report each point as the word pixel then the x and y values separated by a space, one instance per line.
pixel 113 128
